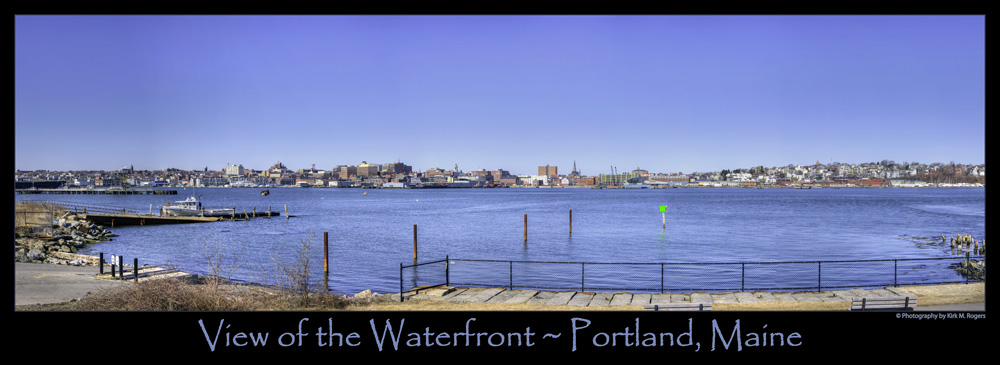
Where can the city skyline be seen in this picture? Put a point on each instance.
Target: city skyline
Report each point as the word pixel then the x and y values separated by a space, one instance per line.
pixel 664 93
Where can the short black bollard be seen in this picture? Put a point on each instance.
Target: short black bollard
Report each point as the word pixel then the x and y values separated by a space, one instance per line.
pixel 135 268
pixel 100 264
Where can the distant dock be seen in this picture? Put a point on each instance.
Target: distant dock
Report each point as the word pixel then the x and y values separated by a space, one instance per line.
pixel 97 191
pixel 117 220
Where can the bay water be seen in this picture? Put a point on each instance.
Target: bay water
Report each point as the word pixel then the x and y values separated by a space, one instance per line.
pixel 618 238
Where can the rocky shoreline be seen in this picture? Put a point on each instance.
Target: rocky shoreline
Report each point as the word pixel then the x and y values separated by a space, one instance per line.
pixel 60 247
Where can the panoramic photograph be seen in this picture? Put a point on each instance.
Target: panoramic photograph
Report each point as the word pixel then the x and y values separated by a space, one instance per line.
pixel 403 184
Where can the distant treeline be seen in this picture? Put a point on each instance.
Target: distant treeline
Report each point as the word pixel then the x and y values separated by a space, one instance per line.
pixel 948 177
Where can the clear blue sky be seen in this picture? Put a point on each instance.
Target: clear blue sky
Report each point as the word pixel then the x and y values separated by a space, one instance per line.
pixel 664 93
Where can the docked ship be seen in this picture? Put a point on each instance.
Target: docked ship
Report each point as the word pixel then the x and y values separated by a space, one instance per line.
pixel 191 207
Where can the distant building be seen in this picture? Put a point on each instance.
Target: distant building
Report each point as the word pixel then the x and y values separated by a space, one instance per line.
pixel 278 168
pixel 346 172
pixel 397 168
pixel 234 170
pixel 500 174
pixel 367 170
pixel 550 171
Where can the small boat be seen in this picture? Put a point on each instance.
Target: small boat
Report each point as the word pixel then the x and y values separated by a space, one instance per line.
pixel 191 207
pixel 264 192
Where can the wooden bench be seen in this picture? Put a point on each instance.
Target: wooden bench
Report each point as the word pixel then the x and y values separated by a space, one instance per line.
pixel 674 307
pixel 895 303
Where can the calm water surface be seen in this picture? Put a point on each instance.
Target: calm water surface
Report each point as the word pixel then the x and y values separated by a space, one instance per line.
pixel 371 233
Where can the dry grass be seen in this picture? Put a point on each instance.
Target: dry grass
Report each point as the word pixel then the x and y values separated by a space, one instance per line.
pixel 178 295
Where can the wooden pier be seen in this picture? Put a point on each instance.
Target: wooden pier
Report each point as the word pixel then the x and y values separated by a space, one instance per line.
pixel 117 220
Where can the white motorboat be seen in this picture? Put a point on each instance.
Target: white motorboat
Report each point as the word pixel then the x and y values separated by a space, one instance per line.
pixel 191 207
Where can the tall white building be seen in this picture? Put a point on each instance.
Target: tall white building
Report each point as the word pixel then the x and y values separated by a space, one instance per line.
pixel 234 170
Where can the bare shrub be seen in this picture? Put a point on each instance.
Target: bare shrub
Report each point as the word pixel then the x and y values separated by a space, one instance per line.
pixel 295 278
pixel 222 264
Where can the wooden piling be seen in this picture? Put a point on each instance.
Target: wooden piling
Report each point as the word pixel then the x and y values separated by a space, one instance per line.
pixel 326 253
pixel 525 227
pixel 414 242
pixel 570 221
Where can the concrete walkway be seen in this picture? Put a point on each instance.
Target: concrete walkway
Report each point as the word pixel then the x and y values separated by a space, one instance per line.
pixel 48 283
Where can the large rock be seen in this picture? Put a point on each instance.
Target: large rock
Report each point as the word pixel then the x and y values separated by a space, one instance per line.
pixel 974 269
pixel 35 255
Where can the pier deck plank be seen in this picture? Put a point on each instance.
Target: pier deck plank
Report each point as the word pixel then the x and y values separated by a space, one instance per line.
pixel 784 297
pixel 484 295
pixel 541 297
pixel 641 298
pixel 561 298
pixel 601 300
pixel 680 298
pixel 660 298
pixel 522 296
pixel 581 299
pixel 724 298
pixel 844 293
pixel 746 297
pixel 465 296
pixel 621 299
pixel 454 293
pixel 879 293
pixel 765 297
pixel 701 298
pixel 503 296
pixel 809 297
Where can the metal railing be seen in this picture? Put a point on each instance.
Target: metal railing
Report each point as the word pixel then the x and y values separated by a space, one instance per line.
pixel 62 207
pixel 688 277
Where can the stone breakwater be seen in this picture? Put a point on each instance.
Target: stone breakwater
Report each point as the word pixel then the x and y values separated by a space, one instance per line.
pixel 69 234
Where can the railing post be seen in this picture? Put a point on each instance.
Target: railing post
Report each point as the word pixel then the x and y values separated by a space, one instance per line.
pixel 583 268
pixel 819 276
pixel 511 272
pixel 135 268
pixel 743 276
pixel 895 271
pixel 968 270
pixel 400 282
pixel 661 278
pixel 101 264
pixel 447 271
